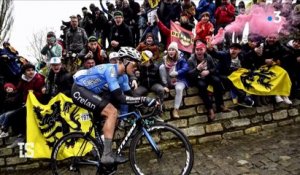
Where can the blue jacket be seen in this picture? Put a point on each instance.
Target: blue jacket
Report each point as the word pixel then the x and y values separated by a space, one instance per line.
pixel 182 68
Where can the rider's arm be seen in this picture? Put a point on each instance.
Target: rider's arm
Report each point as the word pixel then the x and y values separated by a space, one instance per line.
pixel 124 99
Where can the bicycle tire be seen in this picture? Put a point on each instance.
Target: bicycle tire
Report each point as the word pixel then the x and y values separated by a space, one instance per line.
pixel 75 164
pixel 179 155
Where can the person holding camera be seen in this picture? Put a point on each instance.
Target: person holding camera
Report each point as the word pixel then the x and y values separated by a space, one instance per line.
pixel 51 49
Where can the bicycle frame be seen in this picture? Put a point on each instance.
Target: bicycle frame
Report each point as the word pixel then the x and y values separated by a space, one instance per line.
pixel 138 122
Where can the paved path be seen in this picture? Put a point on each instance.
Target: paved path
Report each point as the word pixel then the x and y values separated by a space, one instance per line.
pixel 274 152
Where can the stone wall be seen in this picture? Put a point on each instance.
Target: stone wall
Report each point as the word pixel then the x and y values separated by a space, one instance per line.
pixel 193 122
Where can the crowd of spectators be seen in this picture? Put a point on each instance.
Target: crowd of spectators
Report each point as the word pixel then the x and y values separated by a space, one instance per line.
pixel 96 37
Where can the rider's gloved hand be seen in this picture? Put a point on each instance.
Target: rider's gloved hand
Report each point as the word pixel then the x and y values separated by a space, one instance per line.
pixel 147 101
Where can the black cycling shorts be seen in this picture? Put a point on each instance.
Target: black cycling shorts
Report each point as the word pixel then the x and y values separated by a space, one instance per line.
pixel 88 99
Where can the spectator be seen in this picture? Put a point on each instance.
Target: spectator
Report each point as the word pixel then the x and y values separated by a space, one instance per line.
pixel 187 15
pixel 204 28
pixel 102 27
pixel 149 44
pixel 149 77
pixel 88 63
pixel 59 80
pixel 202 71
pixel 173 74
pixel 241 9
pixel 76 37
pixel 291 63
pixel 93 50
pixel 121 34
pixel 52 48
pixel 87 22
pixel 206 6
pixel 229 61
pixel 11 102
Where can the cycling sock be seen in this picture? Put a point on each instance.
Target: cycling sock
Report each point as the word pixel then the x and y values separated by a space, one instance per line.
pixel 107 146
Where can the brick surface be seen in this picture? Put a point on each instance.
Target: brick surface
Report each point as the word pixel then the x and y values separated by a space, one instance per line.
pixel 269 126
pixel 268 117
pixel 237 123
pixel 280 115
pixel 265 108
pixel 216 127
pixel 229 135
pixel 293 112
pixel 210 138
pixel 5 151
pixel 197 120
pixel 194 131
pixel 247 112
pixel 286 122
pixel 191 101
pixel 254 129
pixel 187 112
pixel 15 160
pixel 201 109
pixel 227 115
pixel 2 162
pixel 192 91
pixel 28 166
pixel 297 119
pixel 257 119
pixel 179 123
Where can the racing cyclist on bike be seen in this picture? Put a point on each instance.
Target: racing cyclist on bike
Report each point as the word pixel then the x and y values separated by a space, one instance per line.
pixel 89 83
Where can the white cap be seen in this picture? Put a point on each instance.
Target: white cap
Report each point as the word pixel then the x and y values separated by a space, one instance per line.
pixel 173 45
pixel 113 55
pixel 55 60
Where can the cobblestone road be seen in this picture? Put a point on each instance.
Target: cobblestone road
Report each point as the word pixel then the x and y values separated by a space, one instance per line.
pixel 275 152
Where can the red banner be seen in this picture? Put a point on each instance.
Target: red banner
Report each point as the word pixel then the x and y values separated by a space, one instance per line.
pixel 184 38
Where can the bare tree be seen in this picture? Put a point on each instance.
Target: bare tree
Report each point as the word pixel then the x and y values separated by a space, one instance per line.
pixel 6 19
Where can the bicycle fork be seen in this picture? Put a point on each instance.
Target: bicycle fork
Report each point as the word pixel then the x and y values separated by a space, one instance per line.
pixel 152 143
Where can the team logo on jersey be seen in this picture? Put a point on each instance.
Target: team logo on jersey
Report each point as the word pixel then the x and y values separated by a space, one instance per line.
pixel 113 73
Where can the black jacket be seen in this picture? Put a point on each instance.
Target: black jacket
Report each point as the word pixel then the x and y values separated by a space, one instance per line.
pixel 122 34
pixel 193 72
pixel 149 75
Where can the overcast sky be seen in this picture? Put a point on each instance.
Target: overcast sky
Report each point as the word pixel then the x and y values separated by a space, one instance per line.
pixel 32 16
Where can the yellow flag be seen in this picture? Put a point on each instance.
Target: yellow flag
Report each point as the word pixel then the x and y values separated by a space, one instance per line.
pixel 153 3
pixel 47 123
pixel 265 81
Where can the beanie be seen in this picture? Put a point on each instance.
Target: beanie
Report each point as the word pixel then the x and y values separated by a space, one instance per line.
pixel 173 45
pixel 9 85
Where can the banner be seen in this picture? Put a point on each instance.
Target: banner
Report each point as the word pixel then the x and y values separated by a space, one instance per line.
pixel 46 124
pixel 265 81
pixel 183 37
pixel 153 3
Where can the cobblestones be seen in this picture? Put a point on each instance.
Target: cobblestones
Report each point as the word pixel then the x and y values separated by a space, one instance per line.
pixel 269 152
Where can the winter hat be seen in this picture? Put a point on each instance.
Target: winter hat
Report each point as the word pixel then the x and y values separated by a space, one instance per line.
pixel 55 60
pixel 51 34
pixel 173 45
pixel 146 56
pixel 9 85
pixel 149 35
pixel 92 39
pixel 205 14
pixel 118 13
pixel 200 45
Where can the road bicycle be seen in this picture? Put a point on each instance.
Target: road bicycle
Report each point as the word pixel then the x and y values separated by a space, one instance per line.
pixel 155 147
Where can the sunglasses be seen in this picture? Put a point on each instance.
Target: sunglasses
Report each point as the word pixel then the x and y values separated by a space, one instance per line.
pixel 126 62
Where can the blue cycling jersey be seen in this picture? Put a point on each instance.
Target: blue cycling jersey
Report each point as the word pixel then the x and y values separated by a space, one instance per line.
pixel 97 77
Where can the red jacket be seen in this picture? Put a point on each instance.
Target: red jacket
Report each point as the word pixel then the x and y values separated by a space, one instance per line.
pixel 225 14
pixel 165 31
pixel 36 84
pixel 201 33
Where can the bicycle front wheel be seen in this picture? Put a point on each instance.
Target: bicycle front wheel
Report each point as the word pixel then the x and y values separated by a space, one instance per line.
pixel 163 150
pixel 76 153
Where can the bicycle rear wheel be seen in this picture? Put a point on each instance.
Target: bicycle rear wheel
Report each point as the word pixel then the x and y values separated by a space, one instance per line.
pixel 76 153
pixel 174 154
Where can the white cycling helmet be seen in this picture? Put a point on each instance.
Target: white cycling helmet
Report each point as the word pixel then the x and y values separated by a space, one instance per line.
pixel 129 52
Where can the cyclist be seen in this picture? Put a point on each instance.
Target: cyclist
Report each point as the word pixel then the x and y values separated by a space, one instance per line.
pixel 89 83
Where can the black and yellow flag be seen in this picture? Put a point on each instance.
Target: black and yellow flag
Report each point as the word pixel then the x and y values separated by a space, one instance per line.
pixel 47 123
pixel 265 81
pixel 153 3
